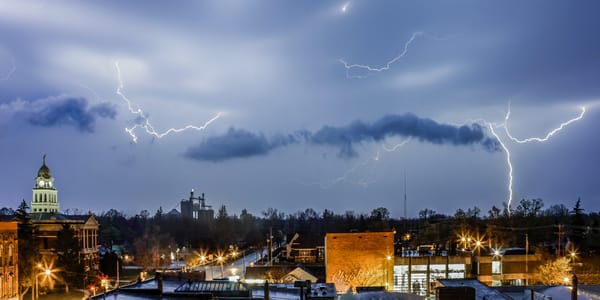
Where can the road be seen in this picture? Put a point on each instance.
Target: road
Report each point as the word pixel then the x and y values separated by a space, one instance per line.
pixel 230 268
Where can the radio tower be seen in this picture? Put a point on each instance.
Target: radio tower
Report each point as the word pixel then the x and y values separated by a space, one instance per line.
pixel 405 195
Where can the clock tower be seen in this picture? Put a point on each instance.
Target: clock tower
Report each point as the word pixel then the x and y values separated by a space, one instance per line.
pixel 44 198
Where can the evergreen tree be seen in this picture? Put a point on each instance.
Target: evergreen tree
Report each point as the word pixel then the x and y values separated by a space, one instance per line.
pixel 68 248
pixel 578 226
pixel 29 254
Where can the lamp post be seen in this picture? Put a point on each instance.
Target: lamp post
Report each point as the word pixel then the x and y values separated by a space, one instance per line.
pixel 46 272
pixel 387 279
pixel 220 259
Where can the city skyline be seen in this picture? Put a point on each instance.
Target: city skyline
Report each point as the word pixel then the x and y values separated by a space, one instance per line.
pixel 327 105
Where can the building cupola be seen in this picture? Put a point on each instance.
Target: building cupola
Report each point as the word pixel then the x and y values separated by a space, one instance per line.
pixel 44 198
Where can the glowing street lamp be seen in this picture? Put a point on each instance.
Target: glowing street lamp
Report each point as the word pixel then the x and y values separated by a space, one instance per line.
pixel 479 242
pixel 464 238
pixel 220 260
pixel 388 259
pixel 572 255
pixel 47 273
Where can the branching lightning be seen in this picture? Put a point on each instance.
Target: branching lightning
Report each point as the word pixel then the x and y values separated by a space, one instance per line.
pixel 540 139
pixel 364 182
pixel 146 125
pixel 344 177
pixel 369 69
pixel 551 133
pixel 395 147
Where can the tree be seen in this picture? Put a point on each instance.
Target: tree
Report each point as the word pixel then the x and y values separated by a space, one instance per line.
pixel 151 248
pixel 68 248
pixel 380 214
pixel 29 254
pixel 109 264
pixel 554 272
pixel 557 210
pixel 578 225
pixel 529 207
pixel 494 212
pixel 426 213
pixel 6 211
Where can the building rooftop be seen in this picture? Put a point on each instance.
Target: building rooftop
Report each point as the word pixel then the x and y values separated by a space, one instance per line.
pixel 482 291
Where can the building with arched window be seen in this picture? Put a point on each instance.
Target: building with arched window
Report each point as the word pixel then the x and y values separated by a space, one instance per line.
pixel 48 221
pixel 9 277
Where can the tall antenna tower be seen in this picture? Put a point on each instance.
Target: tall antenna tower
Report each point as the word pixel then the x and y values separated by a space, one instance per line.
pixel 405 217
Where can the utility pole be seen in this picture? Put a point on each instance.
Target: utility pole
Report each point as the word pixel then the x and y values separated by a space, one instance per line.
pixel 270 246
pixel 405 216
pixel 559 240
pixel 117 272
pixel 405 194
pixel 526 262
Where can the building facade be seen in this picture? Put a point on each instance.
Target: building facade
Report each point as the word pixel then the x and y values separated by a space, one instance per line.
pixel 47 227
pixel 508 268
pixel 48 221
pixel 305 251
pixel 9 275
pixel 418 274
pixel 359 259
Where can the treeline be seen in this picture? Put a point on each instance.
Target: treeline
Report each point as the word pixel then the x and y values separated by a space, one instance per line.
pixel 528 222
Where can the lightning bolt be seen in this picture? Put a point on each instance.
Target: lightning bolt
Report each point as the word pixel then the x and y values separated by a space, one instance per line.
pixel 364 182
pixel 551 133
pixel 344 177
pixel 13 68
pixel 395 147
pixel 369 69
pixel 146 125
pixel 548 135
pixel 508 162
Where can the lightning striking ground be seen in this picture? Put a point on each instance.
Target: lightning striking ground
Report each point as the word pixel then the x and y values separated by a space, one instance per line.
pixel 146 125
pixel 551 133
pixel 508 162
pixel 368 69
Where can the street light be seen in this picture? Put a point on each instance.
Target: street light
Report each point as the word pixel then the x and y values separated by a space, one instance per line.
pixel 46 272
pixel 388 258
pixel 572 255
pixel 220 259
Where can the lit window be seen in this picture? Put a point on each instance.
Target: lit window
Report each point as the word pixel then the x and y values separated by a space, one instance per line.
pixel 496 267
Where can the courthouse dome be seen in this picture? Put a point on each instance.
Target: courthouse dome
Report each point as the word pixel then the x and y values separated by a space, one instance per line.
pixel 44 171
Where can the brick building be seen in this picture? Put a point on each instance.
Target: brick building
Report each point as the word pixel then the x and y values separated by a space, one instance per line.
pixel 364 259
pixel 9 277
pixel 511 267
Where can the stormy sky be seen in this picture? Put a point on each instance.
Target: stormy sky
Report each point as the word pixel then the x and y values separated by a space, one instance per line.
pixel 322 104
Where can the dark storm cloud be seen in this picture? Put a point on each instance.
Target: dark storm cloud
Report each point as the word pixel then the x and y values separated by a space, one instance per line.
pixel 238 143
pixel 71 112
pixel 407 125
